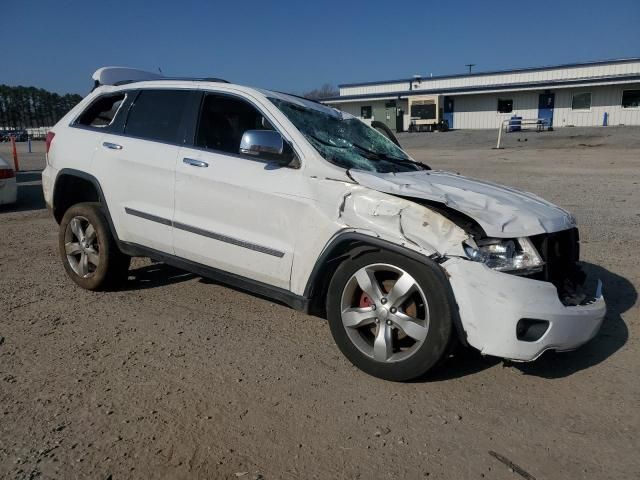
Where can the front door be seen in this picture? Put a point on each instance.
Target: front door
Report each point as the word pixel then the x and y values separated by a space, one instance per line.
pixel 234 212
pixel 448 111
pixel 390 113
pixel 546 103
pixel 400 120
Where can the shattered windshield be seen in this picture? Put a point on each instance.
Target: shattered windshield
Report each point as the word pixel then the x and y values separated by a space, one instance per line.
pixel 346 141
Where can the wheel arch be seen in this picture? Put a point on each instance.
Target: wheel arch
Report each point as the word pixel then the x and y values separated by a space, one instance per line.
pixel 75 186
pixel 353 244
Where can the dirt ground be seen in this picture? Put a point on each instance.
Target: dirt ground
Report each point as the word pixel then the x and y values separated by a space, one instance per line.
pixel 175 376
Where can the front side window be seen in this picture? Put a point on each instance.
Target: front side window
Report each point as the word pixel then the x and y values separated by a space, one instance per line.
pixel 631 99
pixel 224 119
pixel 344 140
pixel 365 112
pixel 505 105
pixel 102 111
pixel 156 115
pixel 581 101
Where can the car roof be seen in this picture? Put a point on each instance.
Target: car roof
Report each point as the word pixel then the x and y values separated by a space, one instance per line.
pixel 129 77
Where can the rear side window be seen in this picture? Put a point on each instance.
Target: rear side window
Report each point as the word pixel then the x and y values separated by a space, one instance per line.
pixel 156 115
pixel 102 111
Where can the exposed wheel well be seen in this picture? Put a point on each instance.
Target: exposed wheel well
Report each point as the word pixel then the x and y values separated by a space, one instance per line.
pixel 69 190
pixel 352 245
pixel 326 267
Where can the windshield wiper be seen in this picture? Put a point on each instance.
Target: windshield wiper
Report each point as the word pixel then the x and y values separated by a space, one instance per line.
pixel 389 158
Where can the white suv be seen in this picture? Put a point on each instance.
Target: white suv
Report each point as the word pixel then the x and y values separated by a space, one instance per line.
pixel 297 201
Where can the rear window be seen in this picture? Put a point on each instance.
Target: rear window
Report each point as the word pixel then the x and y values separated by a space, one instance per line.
pixel 156 115
pixel 102 111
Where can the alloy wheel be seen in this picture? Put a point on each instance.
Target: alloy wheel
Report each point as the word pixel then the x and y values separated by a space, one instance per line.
pixel 81 246
pixel 385 312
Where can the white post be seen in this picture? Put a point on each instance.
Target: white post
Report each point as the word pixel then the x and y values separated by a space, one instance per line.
pixel 500 134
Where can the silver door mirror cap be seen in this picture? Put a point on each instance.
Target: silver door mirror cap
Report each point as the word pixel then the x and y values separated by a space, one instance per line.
pixel 265 143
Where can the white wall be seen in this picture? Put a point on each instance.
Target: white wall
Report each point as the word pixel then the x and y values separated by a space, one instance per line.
pixel 481 111
pixel 603 99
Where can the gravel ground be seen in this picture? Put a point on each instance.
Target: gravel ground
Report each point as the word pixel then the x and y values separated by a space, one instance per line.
pixel 176 376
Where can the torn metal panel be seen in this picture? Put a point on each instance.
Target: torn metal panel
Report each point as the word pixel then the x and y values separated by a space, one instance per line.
pixel 411 223
pixel 501 211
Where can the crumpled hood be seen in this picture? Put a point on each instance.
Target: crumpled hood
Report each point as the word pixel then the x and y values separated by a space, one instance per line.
pixel 501 211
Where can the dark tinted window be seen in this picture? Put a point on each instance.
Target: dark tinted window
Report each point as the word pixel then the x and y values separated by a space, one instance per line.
pixel 505 105
pixel 102 111
pixel 423 110
pixel 630 98
pixel 365 112
pixel 581 101
pixel 223 120
pixel 156 115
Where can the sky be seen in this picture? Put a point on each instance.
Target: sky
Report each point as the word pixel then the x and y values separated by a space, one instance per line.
pixel 296 46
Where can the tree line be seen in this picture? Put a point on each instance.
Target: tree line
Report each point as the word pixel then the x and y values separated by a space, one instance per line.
pixel 325 91
pixel 28 107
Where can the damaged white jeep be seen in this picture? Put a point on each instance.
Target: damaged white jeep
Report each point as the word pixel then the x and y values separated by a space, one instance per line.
pixel 299 202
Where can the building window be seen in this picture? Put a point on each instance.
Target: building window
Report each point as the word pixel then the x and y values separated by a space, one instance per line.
pixel 365 112
pixel 581 101
pixel 505 105
pixel 630 98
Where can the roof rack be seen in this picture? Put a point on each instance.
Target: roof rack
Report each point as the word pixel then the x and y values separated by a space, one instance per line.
pixel 123 75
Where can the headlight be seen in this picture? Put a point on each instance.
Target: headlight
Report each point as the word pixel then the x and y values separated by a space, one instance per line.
pixel 506 255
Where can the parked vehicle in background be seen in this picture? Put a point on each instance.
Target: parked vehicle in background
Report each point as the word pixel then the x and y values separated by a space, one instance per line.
pixel 308 205
pixel 8 187
pixel 19 135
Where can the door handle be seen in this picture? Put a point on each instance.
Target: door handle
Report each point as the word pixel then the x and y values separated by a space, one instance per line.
pixel 195 163
pixel 112 146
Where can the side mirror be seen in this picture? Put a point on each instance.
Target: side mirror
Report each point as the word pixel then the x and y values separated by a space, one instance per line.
pixel 267 145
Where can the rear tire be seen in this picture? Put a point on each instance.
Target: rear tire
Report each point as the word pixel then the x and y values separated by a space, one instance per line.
pixel 89 252
pixel 390 315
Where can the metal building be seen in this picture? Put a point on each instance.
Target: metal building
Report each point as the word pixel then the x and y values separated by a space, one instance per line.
pixel 579 94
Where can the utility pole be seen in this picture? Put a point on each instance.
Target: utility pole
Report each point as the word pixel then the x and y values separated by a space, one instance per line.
pixel 470 65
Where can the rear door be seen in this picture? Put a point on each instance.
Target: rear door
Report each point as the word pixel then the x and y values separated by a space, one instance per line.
pixel 234 212
pixel 136 167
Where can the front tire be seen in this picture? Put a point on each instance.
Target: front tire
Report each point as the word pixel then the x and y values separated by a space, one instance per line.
pixel 390 315
pixel 89 252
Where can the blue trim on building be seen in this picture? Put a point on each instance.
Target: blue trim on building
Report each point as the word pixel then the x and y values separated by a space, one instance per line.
pixel 496 72
pixel 505 87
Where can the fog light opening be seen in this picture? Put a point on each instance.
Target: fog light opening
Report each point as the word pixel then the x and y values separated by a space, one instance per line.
pixel 531 330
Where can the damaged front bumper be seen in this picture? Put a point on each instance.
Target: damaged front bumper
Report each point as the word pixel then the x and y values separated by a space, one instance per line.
pixel 518 318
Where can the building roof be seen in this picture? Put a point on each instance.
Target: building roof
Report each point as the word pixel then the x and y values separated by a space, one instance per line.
pixel 497 72
pixel 542 85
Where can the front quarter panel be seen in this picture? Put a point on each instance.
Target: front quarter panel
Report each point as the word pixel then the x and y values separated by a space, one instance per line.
pixel 345 207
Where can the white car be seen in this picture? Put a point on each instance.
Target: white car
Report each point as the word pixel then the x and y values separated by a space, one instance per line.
pixel 297 201
pixel 8 187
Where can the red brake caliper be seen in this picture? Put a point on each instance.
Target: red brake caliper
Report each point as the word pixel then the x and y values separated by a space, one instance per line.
pixel 365 301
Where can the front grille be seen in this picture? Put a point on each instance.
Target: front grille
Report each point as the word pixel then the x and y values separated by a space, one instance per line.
pixel 560 252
